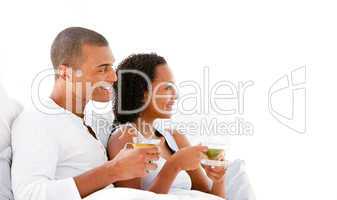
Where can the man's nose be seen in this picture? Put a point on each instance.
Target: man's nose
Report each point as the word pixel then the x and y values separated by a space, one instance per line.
pixel 112 76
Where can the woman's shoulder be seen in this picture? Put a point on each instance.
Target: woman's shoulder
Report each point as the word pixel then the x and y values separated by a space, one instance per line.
pixel 180 138
pixel 123 133
pixel 118 139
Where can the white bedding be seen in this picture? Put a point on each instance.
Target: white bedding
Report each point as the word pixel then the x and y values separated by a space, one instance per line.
pixel 133 194
pixel 238 187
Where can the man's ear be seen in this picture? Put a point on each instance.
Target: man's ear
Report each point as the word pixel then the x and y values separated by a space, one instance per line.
pixel 63 72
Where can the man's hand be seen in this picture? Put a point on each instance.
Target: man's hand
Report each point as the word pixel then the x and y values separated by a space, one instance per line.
pixel 127 164
pixel 132 163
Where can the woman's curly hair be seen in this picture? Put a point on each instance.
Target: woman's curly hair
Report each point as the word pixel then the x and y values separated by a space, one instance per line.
pixel 130 87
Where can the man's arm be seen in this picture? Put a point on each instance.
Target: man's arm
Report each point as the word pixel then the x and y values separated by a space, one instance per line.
pixel 35 157
pixel 128 164
pixel 97 178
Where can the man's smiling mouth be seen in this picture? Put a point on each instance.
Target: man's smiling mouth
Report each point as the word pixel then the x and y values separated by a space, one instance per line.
pixel 109 89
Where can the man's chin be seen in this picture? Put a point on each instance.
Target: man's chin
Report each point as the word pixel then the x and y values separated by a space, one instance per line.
pixel 102 99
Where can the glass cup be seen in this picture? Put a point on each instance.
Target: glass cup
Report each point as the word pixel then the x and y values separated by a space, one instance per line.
pixel 215 155
pixel 139 142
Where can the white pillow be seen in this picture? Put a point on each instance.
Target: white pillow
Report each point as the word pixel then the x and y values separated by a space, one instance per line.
pixel 5 180
pixel 9 110
pixel 238 186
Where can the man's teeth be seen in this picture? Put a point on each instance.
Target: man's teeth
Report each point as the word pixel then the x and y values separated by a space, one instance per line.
pixel 107 88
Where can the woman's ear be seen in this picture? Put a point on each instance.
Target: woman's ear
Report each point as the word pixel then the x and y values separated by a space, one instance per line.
pixel 146 96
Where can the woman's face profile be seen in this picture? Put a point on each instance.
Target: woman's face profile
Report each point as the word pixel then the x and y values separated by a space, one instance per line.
pixel 164 93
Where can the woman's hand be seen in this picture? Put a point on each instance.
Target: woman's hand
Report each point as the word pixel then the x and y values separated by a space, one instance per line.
pixel 188 158
pixel 216 174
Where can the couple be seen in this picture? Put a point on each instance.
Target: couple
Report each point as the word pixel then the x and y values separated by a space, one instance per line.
pixel 57 156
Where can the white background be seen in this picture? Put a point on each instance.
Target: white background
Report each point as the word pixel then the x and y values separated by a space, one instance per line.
pixel 239 40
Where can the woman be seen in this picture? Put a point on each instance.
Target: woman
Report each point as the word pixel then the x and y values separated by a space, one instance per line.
pixel 179 166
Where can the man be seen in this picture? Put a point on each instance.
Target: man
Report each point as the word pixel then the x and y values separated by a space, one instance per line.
pixel 56 156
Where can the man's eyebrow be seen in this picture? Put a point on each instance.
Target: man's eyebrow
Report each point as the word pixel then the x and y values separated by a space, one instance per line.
pixel 104 65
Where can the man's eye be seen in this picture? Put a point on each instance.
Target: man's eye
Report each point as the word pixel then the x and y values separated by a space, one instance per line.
pixel 103 69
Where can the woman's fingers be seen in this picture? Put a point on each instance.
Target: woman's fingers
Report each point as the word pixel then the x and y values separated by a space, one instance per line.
pixel 206 167
pixel 213 168
pixel 217 169
pixel 215 175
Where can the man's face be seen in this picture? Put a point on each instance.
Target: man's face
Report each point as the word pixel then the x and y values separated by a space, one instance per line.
pixel 94 77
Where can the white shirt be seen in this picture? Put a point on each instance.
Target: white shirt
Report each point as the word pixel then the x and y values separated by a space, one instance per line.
pixel 48 151
pixel 5 180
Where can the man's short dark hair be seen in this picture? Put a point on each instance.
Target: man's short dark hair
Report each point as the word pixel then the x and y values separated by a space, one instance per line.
pixel 67 46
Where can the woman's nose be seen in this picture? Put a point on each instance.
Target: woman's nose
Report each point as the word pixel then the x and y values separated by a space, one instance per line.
pixel 175 94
